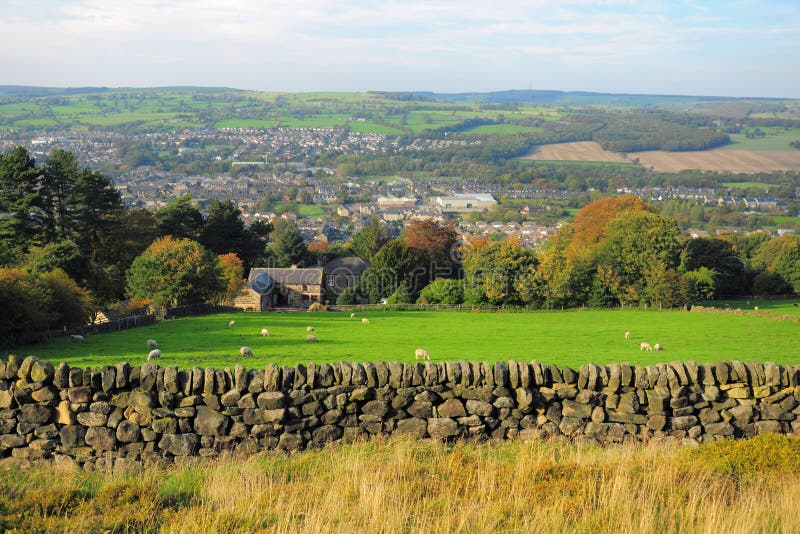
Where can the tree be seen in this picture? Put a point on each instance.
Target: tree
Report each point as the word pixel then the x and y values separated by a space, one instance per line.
pixel 20 200
pixel 232 274
pixel 564 281
pixel 719 256
pixel 442 291
pixel 224 232
pixel 64 255
pixel 59 176
pixel 25 306
pixel 369 240
pixel 70 304
pixel 288 246
pixel 96 204
pixel 393 266
pixel 436 244
pixel 703 283
pixel 175 271
pixel 787 265
pixel 180 219
pixel 637 242
pixel 491 271
pixel 592 221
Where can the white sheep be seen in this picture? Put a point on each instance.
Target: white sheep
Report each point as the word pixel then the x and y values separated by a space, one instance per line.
pixel 310 329
pixel 645 346
pixel 422 354
pixel 658 346
pixel 352 315
pixel 154 354
pixel 246 352
pixel 231 324
pixel 76 337
pixel 264 332
pixel 364 320
pixel 151 344
pixel 311 339
pixel 627 335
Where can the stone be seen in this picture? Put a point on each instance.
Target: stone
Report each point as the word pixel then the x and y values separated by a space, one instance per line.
pixel 231 398
pixel 477 407
pixel 92 419
pixel 765 427
pixel 420 409
pixel 100 438
pixel 451 408
pixel 290 442
pixel 163 425
pixel 64 414
pixel 35 414
pixel 61 376
pixel 375 408
pixel 628 403
pixel 6 399
pixel 179 444
pixel 271 400
pixel 573 409
pixel 326 434
pixel 42 371
pixel 79 395
pixel 208 422
pixel 417 428
pixel 128 432
pixel 719 429
pixel 442 428
pixel 683 423
pixel 570 425
pixel 44 395
pixel 71 436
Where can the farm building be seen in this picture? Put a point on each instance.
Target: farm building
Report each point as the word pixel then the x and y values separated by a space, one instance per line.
pixel 274 288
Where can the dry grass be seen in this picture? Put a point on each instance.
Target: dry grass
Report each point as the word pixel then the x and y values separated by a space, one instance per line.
pixel 723 159
pixel 399 485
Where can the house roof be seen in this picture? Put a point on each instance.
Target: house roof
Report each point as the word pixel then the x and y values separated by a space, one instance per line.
pixel 262 279
pixel 348 265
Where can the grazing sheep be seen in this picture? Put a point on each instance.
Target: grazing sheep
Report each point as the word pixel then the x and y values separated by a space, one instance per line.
pixel 264 332
pixel 311 339
pixel 151 344
pixel 422 354
pixel 231 324
pixel 645 346
pixel 364 320
pixel 246 352
pixel 76 337
pixel 756 308
pixel 154 354
pixel 627 335
pixel 354 313
pixel 310 329
pixel 658 346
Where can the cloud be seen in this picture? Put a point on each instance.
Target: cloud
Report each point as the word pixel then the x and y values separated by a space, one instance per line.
pixel 367 42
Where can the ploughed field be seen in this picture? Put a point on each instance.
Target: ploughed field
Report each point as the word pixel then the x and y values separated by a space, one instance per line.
pixel 560 337
pixel 728 158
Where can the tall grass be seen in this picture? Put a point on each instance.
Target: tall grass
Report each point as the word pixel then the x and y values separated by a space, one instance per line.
pixel 399 485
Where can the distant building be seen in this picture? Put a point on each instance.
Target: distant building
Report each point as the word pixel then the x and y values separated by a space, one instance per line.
pixel 274 288
pixel 465 202
pixel 396 202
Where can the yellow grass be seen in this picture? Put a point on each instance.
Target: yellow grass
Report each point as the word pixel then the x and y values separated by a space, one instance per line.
pixel 399 485
pixel 732 160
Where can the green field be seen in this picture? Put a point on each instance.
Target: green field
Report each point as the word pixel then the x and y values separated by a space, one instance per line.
pixel 776 139
pixel 748 185
pixel 502 129
pixel 564 338
pixel 306 210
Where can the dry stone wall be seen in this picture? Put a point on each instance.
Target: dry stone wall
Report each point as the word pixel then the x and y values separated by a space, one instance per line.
pixel 128 416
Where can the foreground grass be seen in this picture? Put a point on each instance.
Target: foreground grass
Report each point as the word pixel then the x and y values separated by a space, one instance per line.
pixel 399 485
pixel 563 338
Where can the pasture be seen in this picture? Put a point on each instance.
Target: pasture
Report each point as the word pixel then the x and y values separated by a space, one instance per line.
pixel 560 337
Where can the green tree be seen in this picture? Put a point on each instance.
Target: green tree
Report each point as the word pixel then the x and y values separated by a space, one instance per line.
pixel 442 291
pixel 65 255
pixel 175 271
pixel 703 283
pixel 369 240
pixel 288 246
pixel 491 272
pixel 224 232
pixel 97 203
pixel 180 219
pixel 719 256
pixel 20 200
pixel 394 265
pixel 25 306
pixel 59 176
pixel 787 265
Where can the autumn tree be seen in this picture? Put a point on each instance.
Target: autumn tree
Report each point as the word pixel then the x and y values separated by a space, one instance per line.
pixel 593 220
pixel 232 275
pixel 175 271
pixel 435 243
pixel 25 306
pixel 491 270
pixel 69 304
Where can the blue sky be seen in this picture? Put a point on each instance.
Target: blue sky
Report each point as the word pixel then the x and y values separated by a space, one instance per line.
pixel 740 48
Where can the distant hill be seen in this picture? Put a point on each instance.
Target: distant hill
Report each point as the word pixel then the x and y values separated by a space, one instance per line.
pixel 578 98
pixel 27 91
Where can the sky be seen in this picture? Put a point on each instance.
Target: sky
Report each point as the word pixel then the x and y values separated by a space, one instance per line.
pixel 735 48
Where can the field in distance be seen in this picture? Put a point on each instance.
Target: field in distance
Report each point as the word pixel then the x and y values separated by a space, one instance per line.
pixel 561 337
pixel 728 159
